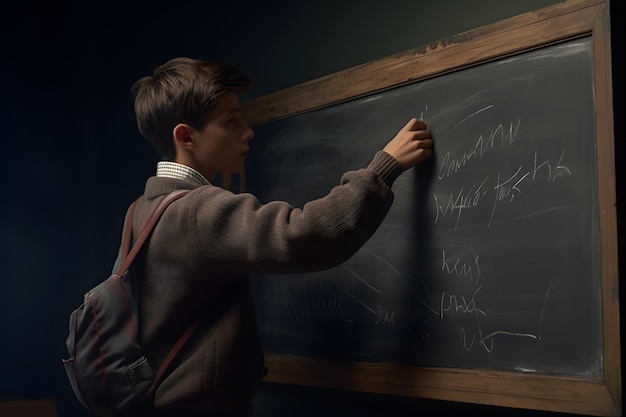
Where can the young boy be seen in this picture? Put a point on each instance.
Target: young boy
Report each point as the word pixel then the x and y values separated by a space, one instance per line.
pixel 207 243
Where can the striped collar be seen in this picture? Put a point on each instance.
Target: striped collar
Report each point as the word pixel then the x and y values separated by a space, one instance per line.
pixel 179 171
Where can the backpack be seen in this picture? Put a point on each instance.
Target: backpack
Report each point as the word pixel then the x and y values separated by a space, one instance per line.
pixel 107 368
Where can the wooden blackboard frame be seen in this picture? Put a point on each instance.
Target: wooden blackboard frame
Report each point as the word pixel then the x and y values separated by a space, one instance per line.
pixel 529 31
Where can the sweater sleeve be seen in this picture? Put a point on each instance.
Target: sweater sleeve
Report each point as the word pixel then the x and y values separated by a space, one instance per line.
pixel 238 233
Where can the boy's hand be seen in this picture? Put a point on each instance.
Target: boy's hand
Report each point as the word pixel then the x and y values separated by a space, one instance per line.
pixel 411 145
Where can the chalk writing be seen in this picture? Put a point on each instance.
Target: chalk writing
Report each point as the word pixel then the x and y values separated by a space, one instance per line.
pixel 507 188
pixel 504 188
pixel 451 303
pixel 415 329
pixel 460 201
pixel 456 303
pixel 455 266
pixel 552 172
pixel 385 317
pixel 328 304
pixel 500 136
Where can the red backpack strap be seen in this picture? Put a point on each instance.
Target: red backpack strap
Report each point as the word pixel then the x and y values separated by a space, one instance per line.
pixel 127 257
pixel 127 231
pixel 173 352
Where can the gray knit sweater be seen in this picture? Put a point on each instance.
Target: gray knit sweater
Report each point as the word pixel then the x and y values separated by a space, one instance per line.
pixel 198 261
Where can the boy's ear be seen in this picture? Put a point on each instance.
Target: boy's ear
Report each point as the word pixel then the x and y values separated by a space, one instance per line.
pixel 182 136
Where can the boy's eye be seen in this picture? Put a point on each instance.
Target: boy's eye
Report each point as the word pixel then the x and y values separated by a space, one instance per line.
pixel 233 122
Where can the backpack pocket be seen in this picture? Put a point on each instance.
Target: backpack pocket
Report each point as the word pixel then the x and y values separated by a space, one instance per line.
pixel 139 372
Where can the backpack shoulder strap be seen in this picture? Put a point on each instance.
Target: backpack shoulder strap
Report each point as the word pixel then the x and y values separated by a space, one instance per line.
pixel 127 231
pixel 173 352
pixel 128 257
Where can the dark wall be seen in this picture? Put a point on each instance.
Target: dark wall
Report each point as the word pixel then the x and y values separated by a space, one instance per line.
pixel 73 159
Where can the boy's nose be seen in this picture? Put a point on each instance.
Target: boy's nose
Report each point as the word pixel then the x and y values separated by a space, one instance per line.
pixel 249 134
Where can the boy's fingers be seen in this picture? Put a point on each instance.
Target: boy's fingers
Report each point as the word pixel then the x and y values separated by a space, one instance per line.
pixel 421 134
pixel 415 124
pixel 425 144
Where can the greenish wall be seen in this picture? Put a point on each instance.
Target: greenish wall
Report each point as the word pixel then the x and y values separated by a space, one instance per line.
pixel 318 38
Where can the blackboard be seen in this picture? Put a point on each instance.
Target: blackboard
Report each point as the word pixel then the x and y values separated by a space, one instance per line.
pixel 489 257
pixel 497 258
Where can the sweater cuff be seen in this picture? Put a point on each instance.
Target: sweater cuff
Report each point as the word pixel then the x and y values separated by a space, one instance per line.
pixel 386 167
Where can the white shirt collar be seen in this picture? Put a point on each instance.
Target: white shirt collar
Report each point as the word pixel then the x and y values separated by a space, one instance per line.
pixel 179 171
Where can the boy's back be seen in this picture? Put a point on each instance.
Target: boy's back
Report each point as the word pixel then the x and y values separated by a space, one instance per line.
pixel 201 253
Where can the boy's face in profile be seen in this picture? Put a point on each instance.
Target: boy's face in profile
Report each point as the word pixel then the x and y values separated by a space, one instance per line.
pixel 223 143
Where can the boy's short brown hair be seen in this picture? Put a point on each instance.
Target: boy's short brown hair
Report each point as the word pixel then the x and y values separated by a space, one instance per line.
pixel 182 90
